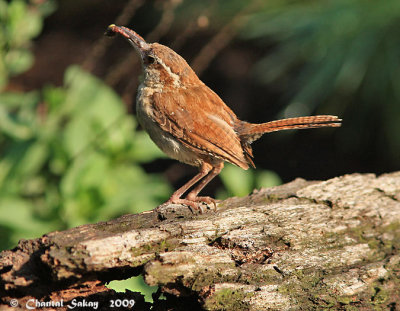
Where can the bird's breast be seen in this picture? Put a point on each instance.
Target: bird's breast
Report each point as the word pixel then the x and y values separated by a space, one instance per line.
pixel 167 142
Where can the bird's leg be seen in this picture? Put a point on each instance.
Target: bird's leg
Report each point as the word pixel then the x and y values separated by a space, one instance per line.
pixel 176 196
pixel 192 195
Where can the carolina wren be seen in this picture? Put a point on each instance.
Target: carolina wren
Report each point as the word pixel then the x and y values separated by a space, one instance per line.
pixel 190 123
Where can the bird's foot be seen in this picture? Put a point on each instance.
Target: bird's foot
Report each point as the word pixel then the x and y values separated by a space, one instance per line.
pixel 207 200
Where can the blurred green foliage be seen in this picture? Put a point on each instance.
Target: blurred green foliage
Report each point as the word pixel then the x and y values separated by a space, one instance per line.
pixel 238 182
pixel 69 155
pixel 19 24
pixel 339 57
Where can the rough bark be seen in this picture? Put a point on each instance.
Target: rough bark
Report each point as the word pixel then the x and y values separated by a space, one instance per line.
pixel 303 245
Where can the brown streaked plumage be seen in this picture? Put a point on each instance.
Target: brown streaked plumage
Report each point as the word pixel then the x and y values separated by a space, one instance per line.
pixel 191 123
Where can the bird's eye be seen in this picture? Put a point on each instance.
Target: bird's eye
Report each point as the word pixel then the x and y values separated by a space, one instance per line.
pixel 150 59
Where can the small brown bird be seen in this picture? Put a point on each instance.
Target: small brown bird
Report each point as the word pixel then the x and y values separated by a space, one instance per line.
pixel 190 123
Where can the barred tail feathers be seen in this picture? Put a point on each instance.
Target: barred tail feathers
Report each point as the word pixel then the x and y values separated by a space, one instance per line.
pixel 255 131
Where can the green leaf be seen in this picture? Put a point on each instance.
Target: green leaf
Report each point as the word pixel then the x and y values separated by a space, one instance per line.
pixel 33 159
pixel 17 214
pixel 95 110
pixel 23 23
pixel 134 284
pixel 18 114
pixel 18 61
pixel 96 188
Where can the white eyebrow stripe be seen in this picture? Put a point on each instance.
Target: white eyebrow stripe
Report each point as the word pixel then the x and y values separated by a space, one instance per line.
pixel 176 79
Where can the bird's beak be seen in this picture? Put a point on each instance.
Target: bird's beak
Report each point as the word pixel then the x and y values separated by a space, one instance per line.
pixel 134 39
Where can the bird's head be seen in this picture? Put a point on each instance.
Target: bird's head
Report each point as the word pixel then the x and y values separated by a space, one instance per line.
pixel 160 63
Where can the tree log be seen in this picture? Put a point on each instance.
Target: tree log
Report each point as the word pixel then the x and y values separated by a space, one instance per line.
pixel 300 246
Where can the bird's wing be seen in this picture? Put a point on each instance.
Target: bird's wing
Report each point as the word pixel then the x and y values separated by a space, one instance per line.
pixel 200 120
